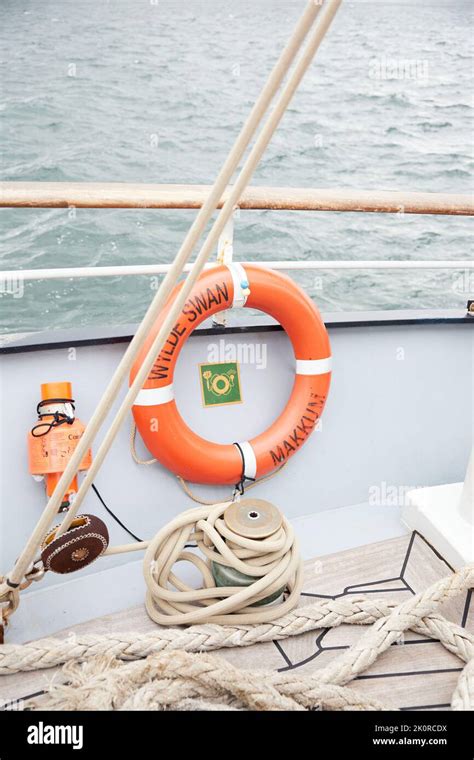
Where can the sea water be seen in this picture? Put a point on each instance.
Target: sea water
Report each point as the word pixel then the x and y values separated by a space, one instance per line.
pixel 155 91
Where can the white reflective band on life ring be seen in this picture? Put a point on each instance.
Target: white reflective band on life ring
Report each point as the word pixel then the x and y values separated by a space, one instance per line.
pixel 154 396
pixel 313 366
pixel 250 460
pixel 239 276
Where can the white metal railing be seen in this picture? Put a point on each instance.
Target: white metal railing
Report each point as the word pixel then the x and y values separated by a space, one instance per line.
pixel 25 275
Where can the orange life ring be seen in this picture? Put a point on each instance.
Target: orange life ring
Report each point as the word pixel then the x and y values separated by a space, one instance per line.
pixel 162 428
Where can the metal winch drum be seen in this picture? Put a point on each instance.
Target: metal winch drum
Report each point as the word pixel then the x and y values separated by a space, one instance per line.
pixel 255 519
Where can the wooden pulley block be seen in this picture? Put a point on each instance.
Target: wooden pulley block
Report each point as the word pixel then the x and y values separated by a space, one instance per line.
pixel 85 540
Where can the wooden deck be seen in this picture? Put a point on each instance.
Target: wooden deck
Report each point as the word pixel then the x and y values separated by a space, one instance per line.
pixel 420 674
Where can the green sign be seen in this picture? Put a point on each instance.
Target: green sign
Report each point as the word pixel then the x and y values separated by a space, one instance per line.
pixel 220 383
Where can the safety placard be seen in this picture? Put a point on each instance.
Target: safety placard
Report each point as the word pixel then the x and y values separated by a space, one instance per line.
pixel 220 383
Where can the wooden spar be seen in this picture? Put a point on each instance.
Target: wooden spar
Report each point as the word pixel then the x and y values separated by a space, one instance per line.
pixel 123 195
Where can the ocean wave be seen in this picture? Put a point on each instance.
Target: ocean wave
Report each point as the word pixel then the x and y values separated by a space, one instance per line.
pixel 191 85
pixel 430 126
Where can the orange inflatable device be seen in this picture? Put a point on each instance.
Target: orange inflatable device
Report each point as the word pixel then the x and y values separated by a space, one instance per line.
pixel 156 414
pixel 52 441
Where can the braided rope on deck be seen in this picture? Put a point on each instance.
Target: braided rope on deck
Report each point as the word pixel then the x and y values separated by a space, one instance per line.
pixel 179 680
pixel 168 654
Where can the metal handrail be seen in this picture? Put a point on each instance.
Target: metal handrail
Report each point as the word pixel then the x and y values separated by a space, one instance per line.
pixel 159 269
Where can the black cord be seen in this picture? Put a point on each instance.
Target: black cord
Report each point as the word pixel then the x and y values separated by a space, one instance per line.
pixel 117 520
pixel 59 418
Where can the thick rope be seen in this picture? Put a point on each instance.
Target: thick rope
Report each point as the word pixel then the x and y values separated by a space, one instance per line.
pixel 327 613
pixel 184 485
pixel 463 697
pixel 209 503
pixel 273 563
pixel 50 652
pixel 9 602
pixel 177 680
pixel 167 649
pixel 133 448
pixel 390 629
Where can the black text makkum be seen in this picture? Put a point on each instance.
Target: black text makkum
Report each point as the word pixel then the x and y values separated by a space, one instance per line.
pixel 46 734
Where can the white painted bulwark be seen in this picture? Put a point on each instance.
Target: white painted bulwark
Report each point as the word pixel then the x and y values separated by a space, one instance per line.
pixel 444 515
pixel 466 504
pixel 380 431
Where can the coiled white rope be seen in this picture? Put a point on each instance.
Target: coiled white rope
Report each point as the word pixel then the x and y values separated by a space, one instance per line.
pixel 273 562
